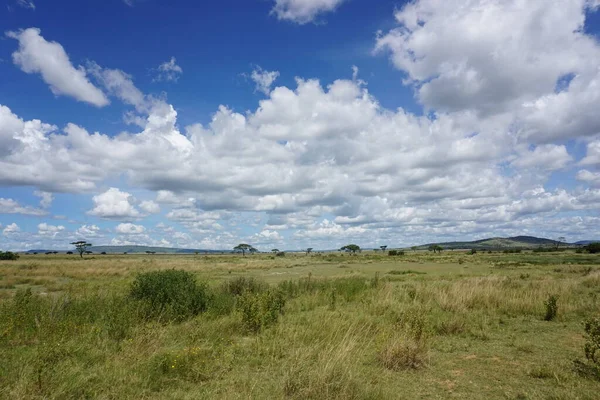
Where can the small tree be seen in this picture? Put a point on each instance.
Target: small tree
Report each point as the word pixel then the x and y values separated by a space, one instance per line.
pixel 82 247
pixel 275 250
pixel 309 250
pixel 436 248
pixel 243 247
pixel 351 248
pixel 383 248
pixel 561 239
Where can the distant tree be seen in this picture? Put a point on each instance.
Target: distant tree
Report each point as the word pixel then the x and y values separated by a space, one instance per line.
pixel 561 239
pixel 383 248
pixel 69 252
pixel 414 248
pixel 103 253
pixel 275 250
pixel 244 247
pixel 351 248
pixel 436 248
pixel 89 252
pixel 8 256
pixel 593 248
pixel 82 247
pixel 309 250
pixel 252 251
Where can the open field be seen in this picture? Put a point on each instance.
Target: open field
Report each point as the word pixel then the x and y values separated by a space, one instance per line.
pixel 422 325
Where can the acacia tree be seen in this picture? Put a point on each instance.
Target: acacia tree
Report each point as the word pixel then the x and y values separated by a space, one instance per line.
pixel 383 248
pixel 243 247
pixel 436 248
pixel 351 248
pixel 275 250
pixel 309 250
pixel 560 240
pixel 82 247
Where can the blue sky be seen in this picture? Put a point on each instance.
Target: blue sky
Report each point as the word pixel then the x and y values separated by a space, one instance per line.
pixel 297 123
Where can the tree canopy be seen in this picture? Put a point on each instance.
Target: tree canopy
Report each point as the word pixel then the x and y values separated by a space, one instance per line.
pixel 82 247
pixel 351 248
pixel 244 247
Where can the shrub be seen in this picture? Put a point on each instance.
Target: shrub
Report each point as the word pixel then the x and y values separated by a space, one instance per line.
pixel 8 256
pixel 280 254
pixel 260 310
pixel 593 248
pixel 396 253
pixel 551 308
pixel 403 353
pixel 239 286
pixel 592 345
pixel 170 294
pixel 473 251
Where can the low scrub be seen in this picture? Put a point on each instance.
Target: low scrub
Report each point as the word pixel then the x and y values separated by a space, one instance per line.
pixel 260 310
pixel 551 308
pixel 8 256
pixel 169 294
pixel 395 253
pixel 404 353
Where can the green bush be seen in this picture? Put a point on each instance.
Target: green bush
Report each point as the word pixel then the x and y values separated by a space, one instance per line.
pixel 592 345
pixel 260 310
pixel 170 294
pixel 473 251
pixel 396 253
pixel 551 308
pixel 239 286
pixel 593 248
pixel 8 256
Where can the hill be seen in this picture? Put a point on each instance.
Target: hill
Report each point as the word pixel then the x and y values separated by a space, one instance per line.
pixel 515 242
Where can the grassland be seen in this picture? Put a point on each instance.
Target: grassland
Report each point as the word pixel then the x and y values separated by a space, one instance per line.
pixel 449 325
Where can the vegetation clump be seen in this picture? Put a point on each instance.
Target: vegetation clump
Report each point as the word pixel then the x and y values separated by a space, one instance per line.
pixel 8 256
pixel 169 294
pixel 551 308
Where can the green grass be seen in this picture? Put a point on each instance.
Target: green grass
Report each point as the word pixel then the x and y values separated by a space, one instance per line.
pixel 413 326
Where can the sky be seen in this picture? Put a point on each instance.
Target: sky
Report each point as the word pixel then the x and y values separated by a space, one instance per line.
pixel 297 123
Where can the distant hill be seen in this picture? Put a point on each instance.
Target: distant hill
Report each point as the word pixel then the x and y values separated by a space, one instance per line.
pixel 586 242
pixel 516 242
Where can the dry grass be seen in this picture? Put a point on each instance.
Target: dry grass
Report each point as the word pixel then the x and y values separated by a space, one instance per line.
pixel 469 330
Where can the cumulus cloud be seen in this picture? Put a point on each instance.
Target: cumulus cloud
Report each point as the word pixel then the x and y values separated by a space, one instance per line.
pixel 10 206
pixel 114 204
pixel 303 11
pixel 130 229
pixel 50 231
pixel 474 57
pixel 88 232
pixel 263 79
pixel 168 71
pixel 11 229
pixel 49 59
pixel 149 207
pixel 46 198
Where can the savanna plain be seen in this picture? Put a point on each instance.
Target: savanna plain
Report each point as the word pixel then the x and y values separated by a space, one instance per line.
pixel 318 326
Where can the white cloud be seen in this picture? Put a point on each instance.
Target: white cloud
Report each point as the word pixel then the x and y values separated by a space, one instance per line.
pixel 88 232
pixel 11 229
pixel 502 56
pixel 168 71
pixel 548 157
pixel 36 55
pixel 303 11
pixel 114 204
pixel 50 230
pixel 593 154
pixel 130 229
pixel 10 206
pixel 46 198
pixel 150 207
pixel 592 178
pixel 263 79
pixel 26 4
